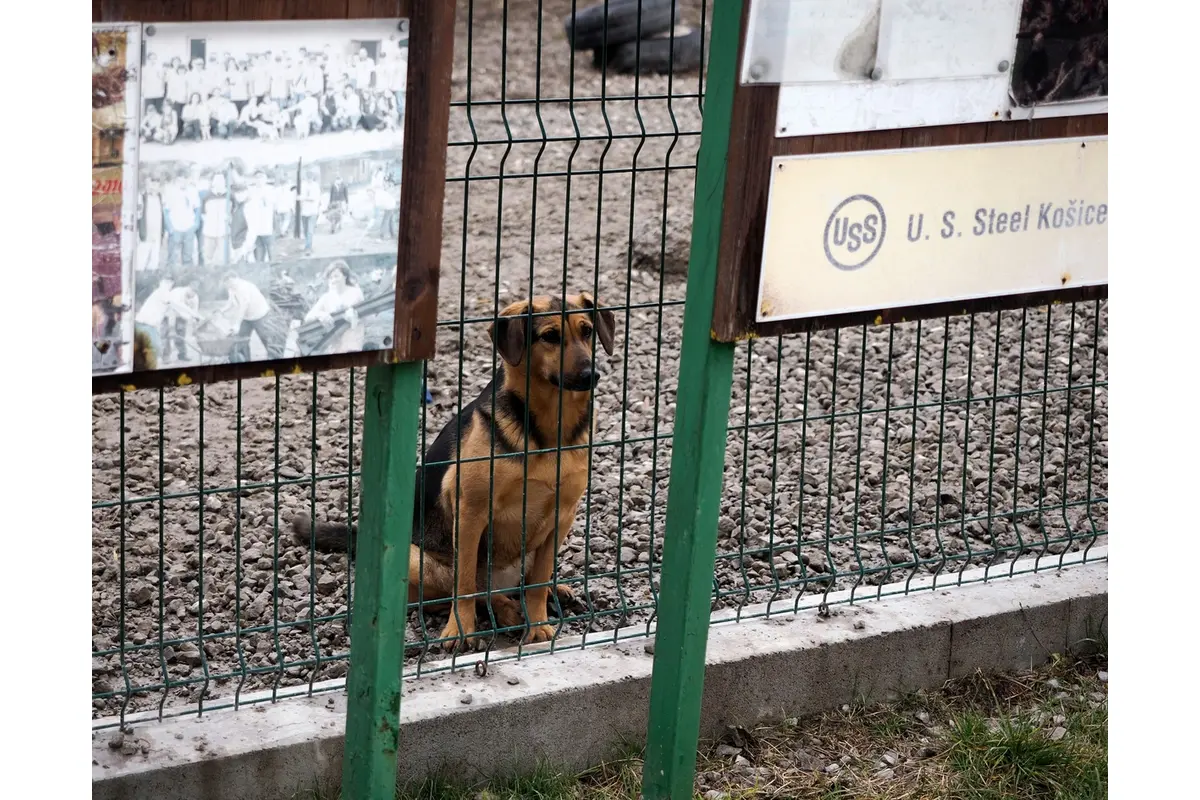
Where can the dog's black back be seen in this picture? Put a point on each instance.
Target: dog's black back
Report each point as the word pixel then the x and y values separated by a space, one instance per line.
pixel 433 525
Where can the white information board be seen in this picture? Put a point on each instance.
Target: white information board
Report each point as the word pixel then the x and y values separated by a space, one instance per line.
pixel 887 229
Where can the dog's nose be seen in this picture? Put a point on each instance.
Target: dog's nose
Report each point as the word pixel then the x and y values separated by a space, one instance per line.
pixel 588 377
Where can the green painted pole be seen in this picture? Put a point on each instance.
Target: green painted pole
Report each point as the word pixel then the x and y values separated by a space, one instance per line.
pixel 390 424
pixel 697 456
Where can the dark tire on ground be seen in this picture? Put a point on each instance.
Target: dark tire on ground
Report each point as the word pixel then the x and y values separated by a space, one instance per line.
pixel 602 55
pixel 586 31
pixel 655 54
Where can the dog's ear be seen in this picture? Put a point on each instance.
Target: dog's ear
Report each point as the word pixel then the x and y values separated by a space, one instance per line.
pixel 508 334
pixel 605 322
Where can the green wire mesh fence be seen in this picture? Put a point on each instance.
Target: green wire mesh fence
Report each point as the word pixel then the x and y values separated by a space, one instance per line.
pixel 863 458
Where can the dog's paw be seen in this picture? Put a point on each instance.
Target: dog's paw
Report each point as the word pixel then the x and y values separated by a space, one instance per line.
pixel 566 595
pixel 539 633
pixel 509 616
pixel 455 637
pixel 568 600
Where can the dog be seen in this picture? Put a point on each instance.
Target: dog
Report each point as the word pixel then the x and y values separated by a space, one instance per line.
pixel 548 364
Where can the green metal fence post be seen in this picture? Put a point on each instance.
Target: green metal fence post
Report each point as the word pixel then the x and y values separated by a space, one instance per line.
pixel 698 453
pixel 391 414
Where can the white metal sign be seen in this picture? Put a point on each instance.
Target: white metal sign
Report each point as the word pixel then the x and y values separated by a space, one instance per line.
pixel 833 41
pixel 864 231
pixel 862 65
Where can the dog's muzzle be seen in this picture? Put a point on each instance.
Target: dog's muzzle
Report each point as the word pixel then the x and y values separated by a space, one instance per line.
pixel 582 381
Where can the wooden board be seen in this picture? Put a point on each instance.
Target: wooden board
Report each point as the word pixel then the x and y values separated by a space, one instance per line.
pixel 426 127
pixel 745 202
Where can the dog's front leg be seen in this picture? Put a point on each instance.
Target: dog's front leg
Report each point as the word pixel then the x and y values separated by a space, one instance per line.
pixel 565 522
pixel 468 529
pixel 540 572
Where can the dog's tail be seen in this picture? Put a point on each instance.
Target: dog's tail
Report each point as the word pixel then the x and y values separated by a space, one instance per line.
pixel 326 537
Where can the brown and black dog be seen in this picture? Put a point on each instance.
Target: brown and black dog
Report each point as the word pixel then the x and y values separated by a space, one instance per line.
pixel 548 365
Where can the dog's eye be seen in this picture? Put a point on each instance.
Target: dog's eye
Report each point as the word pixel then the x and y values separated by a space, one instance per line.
pixel 550 336
pixel 585 331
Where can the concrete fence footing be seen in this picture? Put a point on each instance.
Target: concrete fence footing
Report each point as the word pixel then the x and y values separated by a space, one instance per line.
pixel 574 708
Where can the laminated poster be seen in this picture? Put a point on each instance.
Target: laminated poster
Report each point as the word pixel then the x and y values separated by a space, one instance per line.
pixel 268 190
pixel 114 167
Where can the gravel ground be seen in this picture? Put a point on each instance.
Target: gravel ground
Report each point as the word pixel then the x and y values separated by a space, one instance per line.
pixel 842 494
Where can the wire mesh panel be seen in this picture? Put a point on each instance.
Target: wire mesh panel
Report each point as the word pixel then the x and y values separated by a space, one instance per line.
pixel 863 458
pixel 856 458
pixel 565 176
pixel 198 592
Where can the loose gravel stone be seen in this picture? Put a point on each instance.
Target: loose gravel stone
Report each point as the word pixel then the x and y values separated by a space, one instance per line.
pixel 807 761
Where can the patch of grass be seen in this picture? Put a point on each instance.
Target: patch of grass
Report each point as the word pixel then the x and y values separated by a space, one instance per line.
pixel 618 778
pixel 888 722
pixel 543 784
pixel 326 790
pixel 1014 758
pixel 437 787
pixel 1041 735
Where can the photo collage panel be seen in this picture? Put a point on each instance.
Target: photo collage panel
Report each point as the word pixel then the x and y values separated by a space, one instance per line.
pixel 267 207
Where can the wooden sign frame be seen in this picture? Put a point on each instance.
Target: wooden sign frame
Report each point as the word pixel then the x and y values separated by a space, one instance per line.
pixel 426 130
pixel 743 224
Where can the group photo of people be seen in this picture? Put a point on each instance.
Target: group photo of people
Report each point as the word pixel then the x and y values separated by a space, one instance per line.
pixel 289 247
pixel 268 190
pixel 227 86
pixel 233 214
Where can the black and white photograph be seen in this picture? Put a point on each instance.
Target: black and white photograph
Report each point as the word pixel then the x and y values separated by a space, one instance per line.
pixel 267 311
pixel 269 188
pixel 287 83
